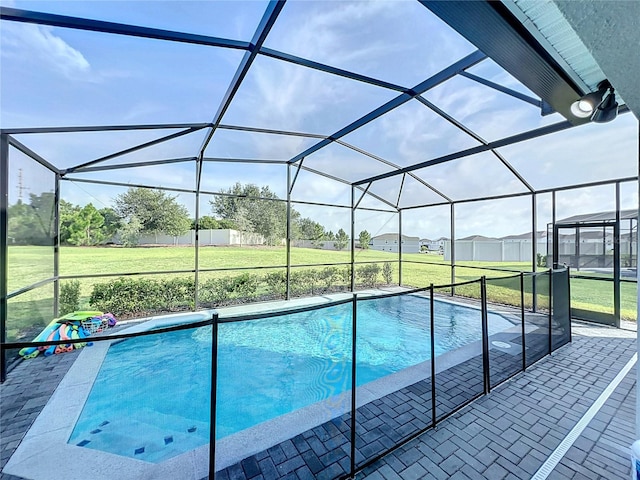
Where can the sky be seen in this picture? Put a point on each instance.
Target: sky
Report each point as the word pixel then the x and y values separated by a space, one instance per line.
pixel 60 77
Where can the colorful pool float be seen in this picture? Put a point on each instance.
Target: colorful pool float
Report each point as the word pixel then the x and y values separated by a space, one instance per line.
pixel 30 352
pixel 72 326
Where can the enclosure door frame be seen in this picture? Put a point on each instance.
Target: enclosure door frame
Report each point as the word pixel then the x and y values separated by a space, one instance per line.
pixel 589 315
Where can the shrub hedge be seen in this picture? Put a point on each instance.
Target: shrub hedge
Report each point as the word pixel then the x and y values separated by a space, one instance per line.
pixel 69 296
pixel 131 297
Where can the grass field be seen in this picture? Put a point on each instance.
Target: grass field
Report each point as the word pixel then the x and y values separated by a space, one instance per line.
pixel 27 265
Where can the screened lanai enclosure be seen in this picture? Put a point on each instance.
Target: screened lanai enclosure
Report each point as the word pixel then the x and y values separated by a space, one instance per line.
pixel 306 198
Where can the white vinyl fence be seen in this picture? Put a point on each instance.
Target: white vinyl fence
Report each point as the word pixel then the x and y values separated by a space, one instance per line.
pixel 494 250
pixel 207 237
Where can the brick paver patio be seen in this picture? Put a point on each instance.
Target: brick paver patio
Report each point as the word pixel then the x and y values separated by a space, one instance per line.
pixel 507 434
pixel 510 433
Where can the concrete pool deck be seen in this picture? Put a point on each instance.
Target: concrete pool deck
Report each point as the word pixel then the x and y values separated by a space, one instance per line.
pixel 477 437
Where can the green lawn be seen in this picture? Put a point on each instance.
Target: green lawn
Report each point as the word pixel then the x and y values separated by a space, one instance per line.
pixel 28 265
pixel 598 296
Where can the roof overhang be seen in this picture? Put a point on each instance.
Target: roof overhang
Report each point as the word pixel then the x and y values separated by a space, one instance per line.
pixel 512 42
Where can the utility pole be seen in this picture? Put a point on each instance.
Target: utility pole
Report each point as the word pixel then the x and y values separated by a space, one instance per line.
pixel 21 188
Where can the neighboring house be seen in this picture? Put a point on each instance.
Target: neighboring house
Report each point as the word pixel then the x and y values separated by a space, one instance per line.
pixel 541 236
pixel 388 242
pixel 438 245
pixel 476 238
pixel 433 245
pixel 597 240
pixel 591 243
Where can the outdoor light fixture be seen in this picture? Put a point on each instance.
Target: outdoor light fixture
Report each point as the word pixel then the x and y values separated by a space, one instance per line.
pixel 607 110
pixel 592 104
pixel 585 106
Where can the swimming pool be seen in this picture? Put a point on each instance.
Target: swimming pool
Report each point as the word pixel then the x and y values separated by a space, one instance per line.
pixel 150 400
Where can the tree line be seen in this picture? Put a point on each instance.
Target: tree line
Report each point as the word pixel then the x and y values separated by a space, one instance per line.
pixel 144 211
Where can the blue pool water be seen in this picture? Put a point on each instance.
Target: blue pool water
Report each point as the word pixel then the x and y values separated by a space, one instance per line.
pixel 150 399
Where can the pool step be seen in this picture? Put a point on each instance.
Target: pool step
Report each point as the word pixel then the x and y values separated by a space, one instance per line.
pixel 146 436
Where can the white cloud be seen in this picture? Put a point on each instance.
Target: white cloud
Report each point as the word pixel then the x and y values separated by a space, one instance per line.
pixel 494 218
pixel 462 103
pixel 315 188
pixel 481 175
pixel 279 89
pixel 283 96
pixel 142 110
pixel 180 175
pixel 253 145
pixel 219 176
pixel 43 47
pixel 83 194
pixel 383 39
pixel 359 36
pixel 345 163
pixel 592 152
pixel 329 26
pixel 489 70
pixel 413 133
